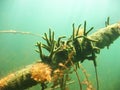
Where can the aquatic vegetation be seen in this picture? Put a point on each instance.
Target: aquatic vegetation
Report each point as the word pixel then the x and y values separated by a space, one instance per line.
pixel 64 56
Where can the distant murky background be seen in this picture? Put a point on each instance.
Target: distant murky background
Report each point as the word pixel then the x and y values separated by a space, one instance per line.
pixel 36 16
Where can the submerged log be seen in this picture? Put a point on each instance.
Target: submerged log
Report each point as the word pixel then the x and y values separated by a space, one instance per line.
pixel 41 73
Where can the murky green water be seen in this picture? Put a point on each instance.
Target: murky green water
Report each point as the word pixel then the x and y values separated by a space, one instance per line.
pixel 37 16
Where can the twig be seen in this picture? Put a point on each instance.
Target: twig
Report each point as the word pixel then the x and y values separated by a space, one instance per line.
pixel 19 32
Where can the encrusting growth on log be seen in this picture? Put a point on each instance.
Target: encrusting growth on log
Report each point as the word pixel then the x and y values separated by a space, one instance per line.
pixel 41 72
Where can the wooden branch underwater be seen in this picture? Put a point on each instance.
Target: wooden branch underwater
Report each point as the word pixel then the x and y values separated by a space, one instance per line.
pixel 63 58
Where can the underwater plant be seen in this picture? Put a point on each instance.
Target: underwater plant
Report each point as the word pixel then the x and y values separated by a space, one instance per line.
pixel 63 58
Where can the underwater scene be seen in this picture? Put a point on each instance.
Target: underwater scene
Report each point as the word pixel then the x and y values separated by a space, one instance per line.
pixel 59 45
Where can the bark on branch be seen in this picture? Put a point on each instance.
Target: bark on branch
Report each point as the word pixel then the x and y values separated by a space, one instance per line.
pixel 106 36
